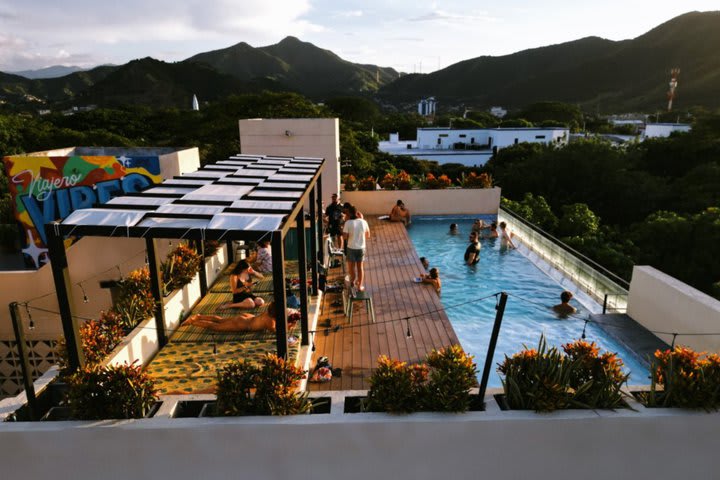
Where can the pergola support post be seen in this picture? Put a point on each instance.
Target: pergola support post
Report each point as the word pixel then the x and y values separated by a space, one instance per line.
pixel 313 244
pixel 302 265
pixel 230 251
pixel 157 290
pixel 321 246
pixel 63 291
pixel 278 262
pixel 24 360
pixel 202 274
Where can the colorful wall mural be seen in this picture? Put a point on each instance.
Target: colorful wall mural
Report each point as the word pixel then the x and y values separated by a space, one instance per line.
pixel 44 189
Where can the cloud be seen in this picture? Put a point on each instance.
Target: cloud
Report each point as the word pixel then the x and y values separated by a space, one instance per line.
pixel 446 17
pixel 350 14
pixel 119 31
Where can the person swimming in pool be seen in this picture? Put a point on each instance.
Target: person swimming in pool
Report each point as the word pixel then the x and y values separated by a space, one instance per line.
pixel 563 309
pixel 433 278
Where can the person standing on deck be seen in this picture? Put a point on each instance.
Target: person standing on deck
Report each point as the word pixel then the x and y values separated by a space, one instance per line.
pixel 334 213
pixel 356 232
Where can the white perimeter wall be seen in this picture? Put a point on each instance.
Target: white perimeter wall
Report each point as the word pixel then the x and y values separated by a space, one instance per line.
pixel 308 137
pixel 654 130
pixel 662 303
pixel 484 445
pixel 455 201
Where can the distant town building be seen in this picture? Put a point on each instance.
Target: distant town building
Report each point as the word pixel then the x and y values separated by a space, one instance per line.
pixel 498 112
pixel 195 103
pixel 470 147
pixel 657 130
pixel 426 107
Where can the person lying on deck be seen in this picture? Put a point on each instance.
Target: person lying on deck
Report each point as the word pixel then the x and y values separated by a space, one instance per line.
pixel 241 286
pixel 243 322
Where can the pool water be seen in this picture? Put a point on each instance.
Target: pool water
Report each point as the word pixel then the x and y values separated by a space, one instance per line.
pixel 531 294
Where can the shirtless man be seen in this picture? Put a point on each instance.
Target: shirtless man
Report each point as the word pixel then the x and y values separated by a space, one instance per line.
pixel 564 308
pixel 244 322
pixel 400 213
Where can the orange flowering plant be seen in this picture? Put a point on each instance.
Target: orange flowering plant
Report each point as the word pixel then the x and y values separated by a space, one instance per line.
pixel 684 378
pixel 388 182
pixel 547 379
pixel 179 268
pixel 441 384
pixel 403 181
pixel 435 183
pixel 473 180
pixel 350 183
pixel 367 184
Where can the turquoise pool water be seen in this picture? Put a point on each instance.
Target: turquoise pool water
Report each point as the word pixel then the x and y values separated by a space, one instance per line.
pixel 527 313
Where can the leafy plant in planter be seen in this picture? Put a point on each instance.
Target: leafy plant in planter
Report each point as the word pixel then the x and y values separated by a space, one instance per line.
pixel 395 386
pixel 236 382
pixel 135 301
pixel 435 183
pixel 403 181
pixel 179 268
pixel 681 378
pixel 274 383
pixel 367 184
pixel 547 379
pixel 350 183
pixel 603 373
pixel 276 390
pixel 473 180
pixel 388 182
pixel 113 392
pixel 452 374
pixel 211 247
pixel 98 338
pixel 442 384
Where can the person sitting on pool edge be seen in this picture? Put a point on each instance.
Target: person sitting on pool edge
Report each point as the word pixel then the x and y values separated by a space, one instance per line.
pixel 564 308
pixel 400 213
pixel 243 322
pixel 472 253
pixel 433 278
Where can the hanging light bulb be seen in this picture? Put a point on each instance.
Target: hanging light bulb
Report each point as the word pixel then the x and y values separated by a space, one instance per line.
pixel 31 323
pixel 85 297
pixel 408 334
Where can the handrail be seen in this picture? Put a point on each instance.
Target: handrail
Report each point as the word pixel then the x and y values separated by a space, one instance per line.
pixel 566 247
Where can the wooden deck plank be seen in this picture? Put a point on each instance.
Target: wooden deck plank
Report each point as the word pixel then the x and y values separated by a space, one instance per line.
pixel 391 265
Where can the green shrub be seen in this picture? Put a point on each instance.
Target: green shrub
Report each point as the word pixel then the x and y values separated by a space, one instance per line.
pixel 395 386
pixel 274 381
pixel 113 392
pixel 179 268
pixel 681 378
pixel 236 381
pixel 603 373
pixel 546 379
pixel 135 301
pixel 452 374
pixel 442 384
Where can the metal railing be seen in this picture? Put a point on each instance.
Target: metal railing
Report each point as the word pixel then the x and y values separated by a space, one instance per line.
pixel 596 280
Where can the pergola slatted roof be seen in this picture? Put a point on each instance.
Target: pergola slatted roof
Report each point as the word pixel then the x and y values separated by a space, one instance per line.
pixel 247 197
pixel 225 191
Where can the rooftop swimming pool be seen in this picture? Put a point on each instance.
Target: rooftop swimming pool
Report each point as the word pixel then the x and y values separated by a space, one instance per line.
pixel 531 294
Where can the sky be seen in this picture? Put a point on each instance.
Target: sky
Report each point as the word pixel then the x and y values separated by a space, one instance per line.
pixel 410 36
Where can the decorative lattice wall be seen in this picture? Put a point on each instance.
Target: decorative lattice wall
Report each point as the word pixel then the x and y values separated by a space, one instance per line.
pixel 42 357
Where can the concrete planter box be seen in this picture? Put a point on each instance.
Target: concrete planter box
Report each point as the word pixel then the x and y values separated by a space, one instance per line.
pixel 451 201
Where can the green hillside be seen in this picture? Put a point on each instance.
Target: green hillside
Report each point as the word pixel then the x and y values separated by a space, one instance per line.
pixel 593 72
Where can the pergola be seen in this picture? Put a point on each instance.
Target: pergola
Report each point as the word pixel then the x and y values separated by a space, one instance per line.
pixel 246 197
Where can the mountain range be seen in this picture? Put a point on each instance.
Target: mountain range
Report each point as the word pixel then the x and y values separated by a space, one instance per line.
pixel 598 74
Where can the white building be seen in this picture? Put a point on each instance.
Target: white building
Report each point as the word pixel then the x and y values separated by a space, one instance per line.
pixel 487 138
pixel 656 130
pixel 498 112
pixel 426 107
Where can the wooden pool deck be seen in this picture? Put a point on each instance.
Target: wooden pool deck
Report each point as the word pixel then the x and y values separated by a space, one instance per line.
pixel 390 267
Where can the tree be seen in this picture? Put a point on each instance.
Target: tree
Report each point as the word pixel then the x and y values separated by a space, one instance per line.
pixel 578 221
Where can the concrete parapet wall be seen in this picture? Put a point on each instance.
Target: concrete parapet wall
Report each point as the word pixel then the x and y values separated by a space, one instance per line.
pixel 491 444
pixel 452 201
pixel 662 303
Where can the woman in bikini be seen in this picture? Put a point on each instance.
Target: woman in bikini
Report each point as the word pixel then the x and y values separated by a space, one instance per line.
pixel 243 322
pixel 241 287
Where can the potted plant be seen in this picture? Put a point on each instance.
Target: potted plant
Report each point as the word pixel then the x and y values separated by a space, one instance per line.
pixel 350 183
pixel 112 392
pixel 179 268
pixel 683 378
pixel 435 183
pixel 367 184
pixel 403 181
pixel 268 388
pixel 473 180
pixel 547 379
pixel 441 384
pixel 388 182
